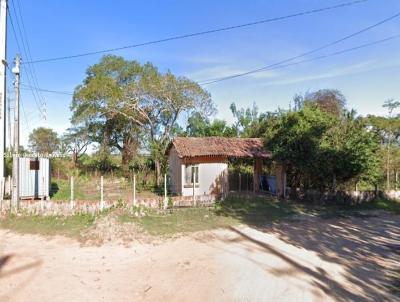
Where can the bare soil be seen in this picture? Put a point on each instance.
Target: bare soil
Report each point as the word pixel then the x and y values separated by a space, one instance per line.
pixel 346 259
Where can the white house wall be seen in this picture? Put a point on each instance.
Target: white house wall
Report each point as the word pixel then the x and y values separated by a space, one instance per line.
pixel 210 176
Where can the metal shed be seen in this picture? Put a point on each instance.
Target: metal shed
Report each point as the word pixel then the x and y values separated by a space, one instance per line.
pixel 34 177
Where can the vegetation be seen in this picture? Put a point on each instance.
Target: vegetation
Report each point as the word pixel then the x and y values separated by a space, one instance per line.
pixel 44 140
pixel 246 209
pixel 231 211
pixel 129 112
pixel 321 150
pixel 70 226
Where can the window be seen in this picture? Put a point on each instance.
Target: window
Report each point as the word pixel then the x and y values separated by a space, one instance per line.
pixel 34 164
pixel 190 173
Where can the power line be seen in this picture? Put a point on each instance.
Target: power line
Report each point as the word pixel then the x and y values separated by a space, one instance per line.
pixel 336 53
pixel 211 81
pixel 34 91
pixel 190 35
pixel 27 87
pixel 26 120
pixel 26 48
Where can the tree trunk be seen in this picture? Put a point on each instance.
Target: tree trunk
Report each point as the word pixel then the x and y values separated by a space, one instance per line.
pixel 75 158
pixel 334 183
pixel 158 171
pixel 128 151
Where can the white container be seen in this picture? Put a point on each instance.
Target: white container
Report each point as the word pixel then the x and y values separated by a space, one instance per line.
pixel 34 177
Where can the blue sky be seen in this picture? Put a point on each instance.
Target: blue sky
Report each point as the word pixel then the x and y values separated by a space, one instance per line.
pixel 367 77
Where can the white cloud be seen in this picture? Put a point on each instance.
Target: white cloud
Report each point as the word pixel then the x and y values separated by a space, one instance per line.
pixel 338 72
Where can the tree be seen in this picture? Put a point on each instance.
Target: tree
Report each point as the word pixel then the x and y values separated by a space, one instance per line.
pixel 244 118
pixel 95 103
pixel 198 126
pixel 387 129
pixel 124 101
pixel 328 100
pixel 320 149
pixel 44 140
pixel 76 140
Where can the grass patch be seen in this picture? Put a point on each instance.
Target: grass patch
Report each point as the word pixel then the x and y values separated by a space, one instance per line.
pixel 357 210
pixel 48 225
pixel 231 211
pixel 255 210
pixel 83 190
pixel 180 221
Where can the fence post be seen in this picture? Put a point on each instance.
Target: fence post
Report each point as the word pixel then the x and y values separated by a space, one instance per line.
pixel 9 184
pixel 3 187
pixel 193 183
pixel 134 190
pixel 165 192
pixel 101 194
pixel 72 193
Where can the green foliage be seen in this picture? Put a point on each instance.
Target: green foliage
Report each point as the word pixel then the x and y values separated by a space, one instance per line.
pixel 320 149
pixel 48 225
pixel 198 126
pixel 44 140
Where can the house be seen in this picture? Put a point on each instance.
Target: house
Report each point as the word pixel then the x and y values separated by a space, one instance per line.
pixel 199 165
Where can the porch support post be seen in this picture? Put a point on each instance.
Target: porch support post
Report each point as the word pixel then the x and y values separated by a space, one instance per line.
pixel 280 181
pixel 256 174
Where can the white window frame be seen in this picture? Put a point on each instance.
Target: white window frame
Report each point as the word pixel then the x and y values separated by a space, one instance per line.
pixel 194 175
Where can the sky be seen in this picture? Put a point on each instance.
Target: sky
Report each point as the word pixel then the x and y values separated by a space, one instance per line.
pixel 367 77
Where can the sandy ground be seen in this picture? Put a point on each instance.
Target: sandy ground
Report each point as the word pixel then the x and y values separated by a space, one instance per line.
pixel 311 260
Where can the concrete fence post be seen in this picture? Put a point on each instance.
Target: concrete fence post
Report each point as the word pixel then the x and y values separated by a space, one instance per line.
pixel 134 190
pixel 72 193
pixel 101 193
pixel 2 193
pixel 165 192
pixel 9 185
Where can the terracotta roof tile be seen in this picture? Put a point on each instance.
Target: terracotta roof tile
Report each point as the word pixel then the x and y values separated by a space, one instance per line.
pixel 220 146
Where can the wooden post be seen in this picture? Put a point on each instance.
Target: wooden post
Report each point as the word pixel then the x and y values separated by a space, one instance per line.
pixel 134 190
pixel 280 181
pixel 72 193
pixel 240 182
pixel 101 194
pixel 257 172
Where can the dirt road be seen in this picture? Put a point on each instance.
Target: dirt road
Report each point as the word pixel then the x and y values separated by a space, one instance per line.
pixel 316 260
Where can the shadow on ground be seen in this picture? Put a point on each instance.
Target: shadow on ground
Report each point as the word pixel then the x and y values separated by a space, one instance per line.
pixel 368 250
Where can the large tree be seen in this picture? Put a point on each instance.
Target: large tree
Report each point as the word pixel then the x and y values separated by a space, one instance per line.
pixel 125 100
pixel 320 149
pixel 44 140
pixel 328 100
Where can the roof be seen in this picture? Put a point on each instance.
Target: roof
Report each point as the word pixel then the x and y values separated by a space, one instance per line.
pixel 189 147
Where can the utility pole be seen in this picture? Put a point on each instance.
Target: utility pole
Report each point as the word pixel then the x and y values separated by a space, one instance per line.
pixel 8 118
pixel 15 172
pixel 3 63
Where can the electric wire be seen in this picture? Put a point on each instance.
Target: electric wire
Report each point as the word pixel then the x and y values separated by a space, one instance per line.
pixel 201 33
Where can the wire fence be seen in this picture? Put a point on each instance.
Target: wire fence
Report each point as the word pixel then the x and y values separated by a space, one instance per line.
pixel 108 188
pixel 244 182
